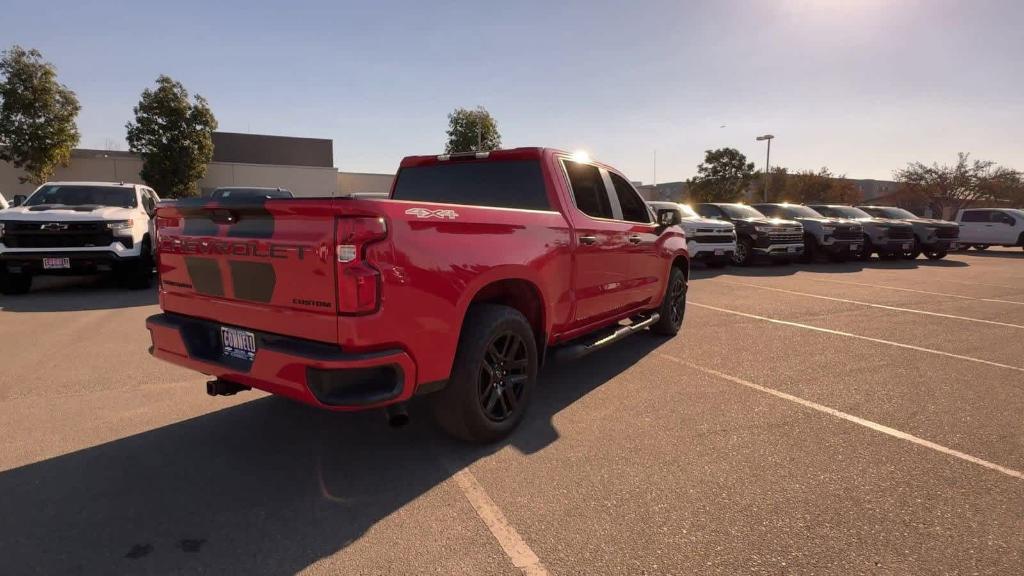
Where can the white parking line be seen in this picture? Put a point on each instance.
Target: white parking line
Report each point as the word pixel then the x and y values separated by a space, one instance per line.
pixel 882 306
pixel 975 283
pixel 858 336
pixel 917 291
pixel 517 550
pixel 855 419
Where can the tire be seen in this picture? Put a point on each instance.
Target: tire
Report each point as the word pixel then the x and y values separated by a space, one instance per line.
pixel 673 305
pixel 915 251
pixel 12 284
pixel 139 274
pixel 493 376
pixel 811 250
pixel 744 252
pixel 936 255
pixel 867 250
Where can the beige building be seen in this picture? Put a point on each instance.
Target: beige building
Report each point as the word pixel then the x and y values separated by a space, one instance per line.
pixel 364 183
pixel 305 166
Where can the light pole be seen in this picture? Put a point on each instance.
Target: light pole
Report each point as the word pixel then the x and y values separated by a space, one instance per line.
pixel 767 162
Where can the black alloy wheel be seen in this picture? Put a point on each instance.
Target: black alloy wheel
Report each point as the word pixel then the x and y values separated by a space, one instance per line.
pixel 503 376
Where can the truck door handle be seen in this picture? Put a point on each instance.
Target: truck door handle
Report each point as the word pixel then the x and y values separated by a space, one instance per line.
pixel 635 239
pixel 588 240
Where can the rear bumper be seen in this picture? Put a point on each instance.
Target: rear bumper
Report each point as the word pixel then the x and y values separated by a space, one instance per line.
pixel 82 262
pixel 315 373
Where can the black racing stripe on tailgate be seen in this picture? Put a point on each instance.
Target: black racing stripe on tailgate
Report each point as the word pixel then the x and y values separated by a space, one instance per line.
pixel 205 274
pixel 254 221
pixel 199 225
pixel 253 281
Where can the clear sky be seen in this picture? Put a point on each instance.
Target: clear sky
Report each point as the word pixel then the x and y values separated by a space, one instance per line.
pixel 859 86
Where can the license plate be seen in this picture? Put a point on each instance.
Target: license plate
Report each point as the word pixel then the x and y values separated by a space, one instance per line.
pixel 854 247
pixel 56 263
pixel 719 252
pixel 906 246
pixel 239 344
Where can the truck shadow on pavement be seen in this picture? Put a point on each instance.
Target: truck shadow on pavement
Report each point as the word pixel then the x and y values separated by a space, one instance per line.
pixel 995 253
pixel 74 293
pixel 266 487
pixel 852 266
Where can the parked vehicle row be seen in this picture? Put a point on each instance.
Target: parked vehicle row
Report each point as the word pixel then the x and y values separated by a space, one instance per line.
pixel 837 239
pixel 785 232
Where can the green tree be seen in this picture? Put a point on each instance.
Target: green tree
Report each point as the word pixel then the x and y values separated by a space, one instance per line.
pixel 808 186
pixel 724 176
pixel 778 179
pixel 472 131
pixel 37 115
pixel 174 137
pixel 959 185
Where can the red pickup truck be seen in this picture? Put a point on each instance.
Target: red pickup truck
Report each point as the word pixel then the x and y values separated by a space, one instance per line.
pixel 476 269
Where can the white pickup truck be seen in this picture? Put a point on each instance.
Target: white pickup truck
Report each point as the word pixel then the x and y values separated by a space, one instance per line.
pixel 984 227
pixel 710 241
pixel 78 228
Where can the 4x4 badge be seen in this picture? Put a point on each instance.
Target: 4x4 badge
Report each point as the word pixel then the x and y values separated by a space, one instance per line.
pixel 428 213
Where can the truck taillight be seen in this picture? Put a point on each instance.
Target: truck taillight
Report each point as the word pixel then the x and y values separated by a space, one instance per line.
pixel 358 281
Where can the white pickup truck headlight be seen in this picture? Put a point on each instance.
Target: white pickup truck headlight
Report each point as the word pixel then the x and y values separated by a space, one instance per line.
pixel 120 225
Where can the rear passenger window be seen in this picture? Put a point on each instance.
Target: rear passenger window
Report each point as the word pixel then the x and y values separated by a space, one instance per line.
pixel 588 189
pixel 633 207
pixel 976 216
pixel 512 184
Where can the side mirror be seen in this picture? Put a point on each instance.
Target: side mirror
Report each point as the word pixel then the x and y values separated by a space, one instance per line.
pixel 668 217
pixel 18 200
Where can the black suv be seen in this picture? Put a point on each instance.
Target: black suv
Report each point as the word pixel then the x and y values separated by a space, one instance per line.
pixel 933 238
pixel 756 234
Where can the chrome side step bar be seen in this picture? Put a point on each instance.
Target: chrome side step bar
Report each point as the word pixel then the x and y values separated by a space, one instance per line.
pixel 578 350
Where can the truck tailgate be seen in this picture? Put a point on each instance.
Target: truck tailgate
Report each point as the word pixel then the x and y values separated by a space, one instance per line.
pixel 261 264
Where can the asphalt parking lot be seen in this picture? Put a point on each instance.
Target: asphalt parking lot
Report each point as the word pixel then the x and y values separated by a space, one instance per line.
pixel 863 418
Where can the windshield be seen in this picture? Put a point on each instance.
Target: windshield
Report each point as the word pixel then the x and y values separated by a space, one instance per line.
pixel 796 211
pixel 740 211
pixel 842 212
pixel 894 213
pixel 688 211
pixel 79 195
pixel 221 193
